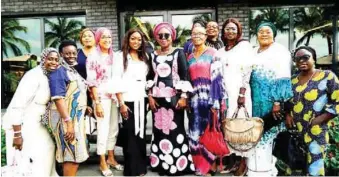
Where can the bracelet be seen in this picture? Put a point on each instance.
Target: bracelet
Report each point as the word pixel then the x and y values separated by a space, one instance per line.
pixel 15 137
pixel 121 103
pixel 277 103
pixel 18 131
pixel 67 119
pixel 241 95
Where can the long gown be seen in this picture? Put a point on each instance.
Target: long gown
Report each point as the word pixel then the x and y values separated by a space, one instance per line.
pixel 170 153
pixel 237 63
pixel 270 82
pixel 27 107
pixel 206 89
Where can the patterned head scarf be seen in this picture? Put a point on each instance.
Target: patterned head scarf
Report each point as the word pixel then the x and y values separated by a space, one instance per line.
pixel 97 36
pixel 44 55
pixel 83 32
pixel 166 25
pixel 269 24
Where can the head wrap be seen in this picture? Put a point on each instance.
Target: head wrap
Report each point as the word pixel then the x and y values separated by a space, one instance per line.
pixel 97 36
pixel 83 32
pixel 44 55
pixel 269 24
pixel 166 25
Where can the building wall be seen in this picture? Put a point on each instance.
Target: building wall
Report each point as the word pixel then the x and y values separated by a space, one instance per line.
pixel 99 13
pixel 232 10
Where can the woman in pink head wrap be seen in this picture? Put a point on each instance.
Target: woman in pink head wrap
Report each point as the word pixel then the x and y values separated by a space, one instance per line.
pixel 100 70
pixel 167 93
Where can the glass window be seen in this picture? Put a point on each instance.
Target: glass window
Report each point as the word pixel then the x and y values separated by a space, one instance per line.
pixel 278 16
pixel 313 27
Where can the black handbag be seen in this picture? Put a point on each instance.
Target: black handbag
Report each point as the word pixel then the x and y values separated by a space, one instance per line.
pixel 290 148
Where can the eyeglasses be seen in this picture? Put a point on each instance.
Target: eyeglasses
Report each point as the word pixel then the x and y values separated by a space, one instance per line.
pixel 212 26
pixel 230 29
pixel 303 57
pixel 164 35
pixel 106 37
pixel 195 35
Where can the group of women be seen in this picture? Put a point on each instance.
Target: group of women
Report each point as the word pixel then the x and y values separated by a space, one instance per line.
pixel 208 76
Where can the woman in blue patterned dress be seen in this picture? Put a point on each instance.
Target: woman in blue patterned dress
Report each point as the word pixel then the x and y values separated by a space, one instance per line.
pixel 271 86
pixel 315 102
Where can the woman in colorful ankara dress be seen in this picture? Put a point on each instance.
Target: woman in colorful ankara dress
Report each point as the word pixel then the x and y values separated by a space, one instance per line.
pixel 22 123
pixel 168 84
pixel 67 113
pixel 315 102
pixel 206 95
pixel 271 86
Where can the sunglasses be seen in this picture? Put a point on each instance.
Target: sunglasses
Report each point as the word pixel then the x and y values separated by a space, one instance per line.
pixel 303 57
pixel 164 35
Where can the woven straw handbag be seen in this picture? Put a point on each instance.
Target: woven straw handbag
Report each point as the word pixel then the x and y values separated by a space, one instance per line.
pixel 242 134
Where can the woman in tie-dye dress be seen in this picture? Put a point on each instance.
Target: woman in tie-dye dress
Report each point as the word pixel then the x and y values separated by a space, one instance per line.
pixel 206 78
pixel 315 102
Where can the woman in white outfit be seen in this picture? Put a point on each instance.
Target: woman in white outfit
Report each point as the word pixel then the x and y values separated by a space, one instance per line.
pixel 99 68
pixel 236 57
pixel 23 116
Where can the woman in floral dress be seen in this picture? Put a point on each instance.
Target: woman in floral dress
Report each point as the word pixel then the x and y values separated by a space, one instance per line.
pixel 167 83
pixel 315 102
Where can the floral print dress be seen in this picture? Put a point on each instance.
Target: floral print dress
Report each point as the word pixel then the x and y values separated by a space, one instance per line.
pixel 170 153
pixel 319 95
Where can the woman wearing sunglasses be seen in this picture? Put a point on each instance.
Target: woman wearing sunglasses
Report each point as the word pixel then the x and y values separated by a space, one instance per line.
pixel 315 102
pixel 167 93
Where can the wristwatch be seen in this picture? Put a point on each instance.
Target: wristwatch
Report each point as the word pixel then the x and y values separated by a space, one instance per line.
pixel 241 95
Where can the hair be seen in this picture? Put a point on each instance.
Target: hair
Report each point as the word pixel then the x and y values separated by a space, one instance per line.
pixel 239 28
pixel 97 37
pixel 308 48
pixel 126 48
pixel 200 21
pixel 66 43
pixel 83 32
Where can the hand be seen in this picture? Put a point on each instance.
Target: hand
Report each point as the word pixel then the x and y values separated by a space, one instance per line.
pixel 241 101
pixel 124 111
pixel 152 104
pixel 89 111
pixel 181 104
pixel 276 112
pixel 17 143
pixel 69 136
pixel 289 121
pixel 99 111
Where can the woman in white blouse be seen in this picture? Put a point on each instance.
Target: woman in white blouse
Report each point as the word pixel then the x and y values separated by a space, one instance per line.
pixel 132 108
pixel 22 120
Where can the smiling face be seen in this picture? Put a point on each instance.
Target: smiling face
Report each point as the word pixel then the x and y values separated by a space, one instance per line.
pixel 51 61
pixel 87 39
pixel 265 36
pixel 212 29
pixel 164 38
pixel 199 36
pixel 69 54
pixel 105 41
pixel 231 31
pixel 135 41
pixel 304 60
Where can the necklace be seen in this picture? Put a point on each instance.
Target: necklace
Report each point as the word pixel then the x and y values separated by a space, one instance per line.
pixel 306 83
pixel 165 52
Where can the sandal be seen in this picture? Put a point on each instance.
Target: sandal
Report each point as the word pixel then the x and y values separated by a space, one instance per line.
pixel 117 167
pixel 107 172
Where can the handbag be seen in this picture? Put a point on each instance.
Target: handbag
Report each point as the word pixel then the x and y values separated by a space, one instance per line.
pixel 242 134
pixel 213 139
pixel 18 167
pixel 290 148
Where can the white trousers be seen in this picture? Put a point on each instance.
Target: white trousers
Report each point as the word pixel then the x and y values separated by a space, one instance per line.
pixel 107 127
pixel 261 162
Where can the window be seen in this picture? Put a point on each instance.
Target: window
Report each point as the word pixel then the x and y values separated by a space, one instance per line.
pixel 181 20
pixel 22 41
